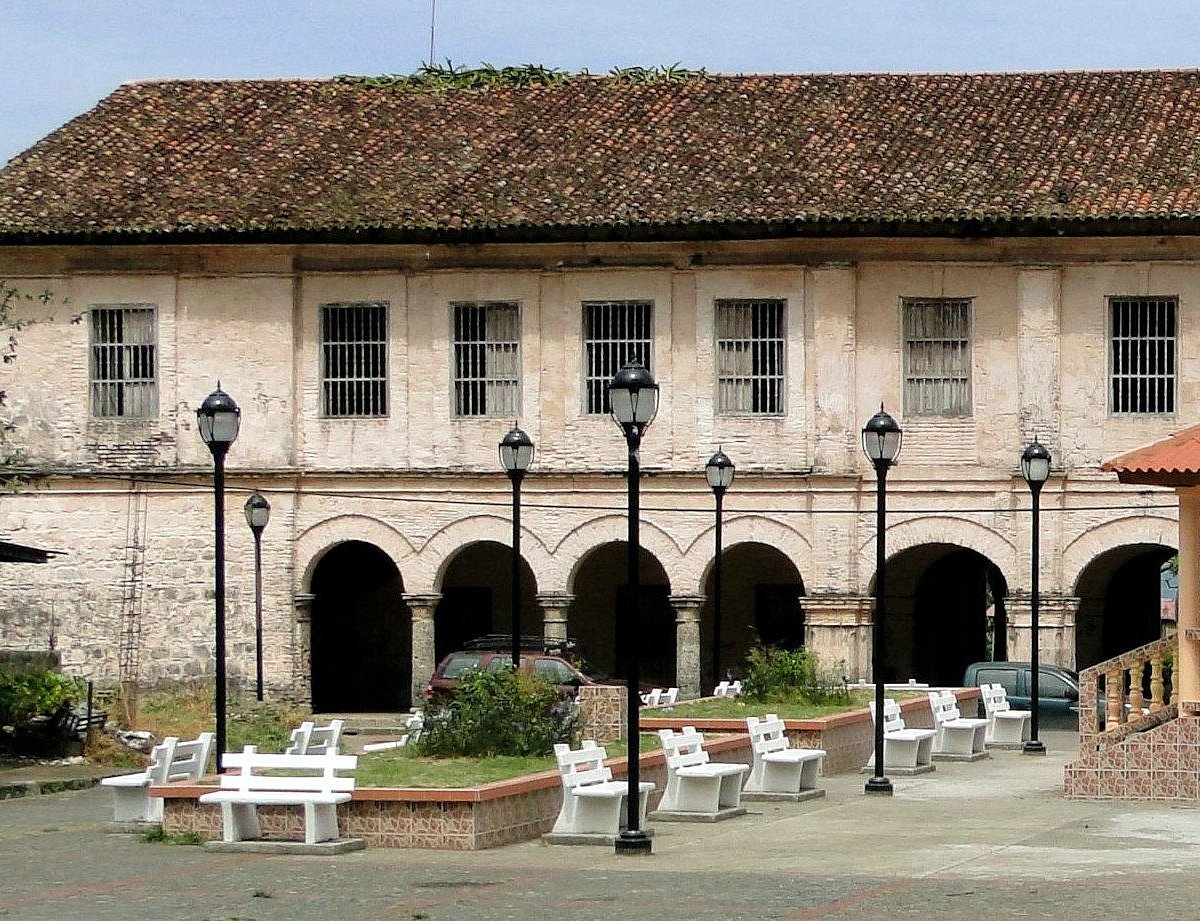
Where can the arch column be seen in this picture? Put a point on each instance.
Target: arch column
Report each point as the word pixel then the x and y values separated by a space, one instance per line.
pixel 421 607
pixel 1188 616
pixel 687 644
pixel 302 645
pixel 555 608
pixel 837 628
pixel 1056 628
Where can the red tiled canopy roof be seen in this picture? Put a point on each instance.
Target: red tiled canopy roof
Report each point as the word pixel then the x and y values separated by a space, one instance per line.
pixel 1174 461
pixel 722 156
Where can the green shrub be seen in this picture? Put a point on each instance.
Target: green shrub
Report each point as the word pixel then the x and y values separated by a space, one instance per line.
pixel 28 694
pixel 500 713
pixel 781 674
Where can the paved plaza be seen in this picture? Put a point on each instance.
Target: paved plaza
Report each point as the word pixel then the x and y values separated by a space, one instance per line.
pixel 991 840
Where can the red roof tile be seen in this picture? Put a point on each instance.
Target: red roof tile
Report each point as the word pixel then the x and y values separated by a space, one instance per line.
pixel 717 156
pixel 1174 461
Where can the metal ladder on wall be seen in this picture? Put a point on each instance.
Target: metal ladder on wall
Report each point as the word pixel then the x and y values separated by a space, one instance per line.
pixel 132 601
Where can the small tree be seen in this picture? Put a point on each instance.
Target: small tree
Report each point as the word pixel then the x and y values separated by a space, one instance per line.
pixel 781 674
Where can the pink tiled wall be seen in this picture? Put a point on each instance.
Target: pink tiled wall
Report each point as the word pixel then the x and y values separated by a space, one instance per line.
pixel 1162 763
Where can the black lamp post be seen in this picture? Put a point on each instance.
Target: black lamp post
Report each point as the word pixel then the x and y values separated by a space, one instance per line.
pixel 881 438
pixel 516 454
pixel 633 395
pixel 1035 467
pixel 719 473
pixel 258 513
pixel 218 419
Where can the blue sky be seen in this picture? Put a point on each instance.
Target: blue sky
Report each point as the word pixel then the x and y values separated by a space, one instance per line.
pixel 62 56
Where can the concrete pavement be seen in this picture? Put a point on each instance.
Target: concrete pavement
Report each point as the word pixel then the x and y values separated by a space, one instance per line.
pixel 994 840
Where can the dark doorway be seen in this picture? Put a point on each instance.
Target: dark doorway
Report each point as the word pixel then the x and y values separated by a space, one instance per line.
pixel 945 609
pixel 1119 602
pixel 761 603
pixel 477 597
pixel 600 588
pixel 361 632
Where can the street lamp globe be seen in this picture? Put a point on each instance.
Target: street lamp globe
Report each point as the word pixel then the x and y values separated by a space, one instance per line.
pixel 218 419
pixel 633 395
pixel 1035 464
pixel 881 438
pixel 719 471
pixel 516 451
pixel 258 512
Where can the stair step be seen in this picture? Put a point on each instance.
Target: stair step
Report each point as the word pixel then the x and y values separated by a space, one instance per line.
pixel 366 723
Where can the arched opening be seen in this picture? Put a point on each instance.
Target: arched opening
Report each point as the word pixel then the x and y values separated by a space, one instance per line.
pixel 477 597
pixel 760 603
pixel 945 609
pixel 361 632
pixel 601 590
pixel 1119 602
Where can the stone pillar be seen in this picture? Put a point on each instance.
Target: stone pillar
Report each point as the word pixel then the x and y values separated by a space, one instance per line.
pixel 1038 341
pixel 555 608
pixel 1187 664
pixel 1056 628
pixel 302 655
pixel 687 644
pixel 423 664
pixel 837 629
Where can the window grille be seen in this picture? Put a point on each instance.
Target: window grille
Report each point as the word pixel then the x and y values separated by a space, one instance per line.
pixel 354 359
pixel 937 356
pixel 1142 369
pixel 124 363
pixel 614 333
pixel 487 359
pixel 750 356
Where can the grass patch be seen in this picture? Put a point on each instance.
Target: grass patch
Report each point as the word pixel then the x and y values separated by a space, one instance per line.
pixel 399 767
pixel 156 835
pixel 187 711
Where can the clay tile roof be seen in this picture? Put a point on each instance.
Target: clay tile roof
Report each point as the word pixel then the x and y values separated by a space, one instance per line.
pixel 722 156
pixel 1174 461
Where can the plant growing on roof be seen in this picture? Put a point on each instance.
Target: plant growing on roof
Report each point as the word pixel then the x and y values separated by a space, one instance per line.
pixel 442 78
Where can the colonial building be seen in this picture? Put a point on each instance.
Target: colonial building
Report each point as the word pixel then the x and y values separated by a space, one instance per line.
pixel 385 278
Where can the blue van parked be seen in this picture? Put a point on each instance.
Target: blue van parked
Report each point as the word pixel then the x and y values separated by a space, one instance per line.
pixel 1058 690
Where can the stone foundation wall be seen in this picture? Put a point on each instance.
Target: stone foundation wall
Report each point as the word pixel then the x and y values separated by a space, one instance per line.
pixel 1162 763
pixel 603 707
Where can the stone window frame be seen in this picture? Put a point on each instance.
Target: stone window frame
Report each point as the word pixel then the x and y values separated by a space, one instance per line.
pixel 755 328
pixel 486 358
pixel 936 345
pixel 1143 355
pixel 353 337
pixel 123 362
pixel 609 343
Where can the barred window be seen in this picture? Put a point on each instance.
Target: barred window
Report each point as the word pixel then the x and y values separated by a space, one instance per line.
pixel 487 359
pixel 354 359
pixel 1142 333
pixel 124 362
pixel 937 356
pixel 750 356
pixel 614 333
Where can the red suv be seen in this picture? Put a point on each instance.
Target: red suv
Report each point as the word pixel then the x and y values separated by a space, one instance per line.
pixel 540 663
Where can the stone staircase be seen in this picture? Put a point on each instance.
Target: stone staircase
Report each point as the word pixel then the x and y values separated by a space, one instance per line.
pixel 1134 745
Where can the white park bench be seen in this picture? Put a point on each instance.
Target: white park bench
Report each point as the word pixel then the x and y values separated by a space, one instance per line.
pixel 310 739
pixel 593 803
pixel 660 697
pixel 1006 727
pixel 169 761
pixel 310 781
pixel 778 770
pixel 697 789
pixel 905 750
pixel 727 689
pixel 957 738
pixel 414 728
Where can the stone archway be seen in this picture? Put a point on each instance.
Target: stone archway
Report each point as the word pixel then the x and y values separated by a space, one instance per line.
pixel 361 641
pixel 1119 602
pixel 476 597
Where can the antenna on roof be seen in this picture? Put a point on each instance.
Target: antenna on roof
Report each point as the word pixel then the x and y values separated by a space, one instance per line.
pixel 432 21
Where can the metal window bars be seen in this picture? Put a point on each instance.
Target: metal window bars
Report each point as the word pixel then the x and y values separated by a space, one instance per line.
pixel 1142 344
pixel 614 333
pixel 937 356
pixel 354 359
pixel 750 355
pixel 124 362
pixel 487 358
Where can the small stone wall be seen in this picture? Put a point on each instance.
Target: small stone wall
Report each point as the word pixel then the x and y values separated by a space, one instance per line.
pixel 603 708
pixel 1162 763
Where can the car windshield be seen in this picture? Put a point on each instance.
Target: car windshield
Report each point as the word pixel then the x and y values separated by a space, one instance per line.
pixel 461 663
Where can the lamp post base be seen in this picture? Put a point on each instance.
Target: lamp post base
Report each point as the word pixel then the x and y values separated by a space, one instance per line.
pixel 1034 747
pixel 880 786
pixel 634 843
